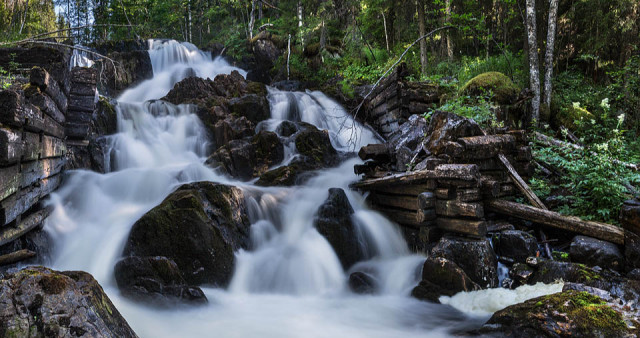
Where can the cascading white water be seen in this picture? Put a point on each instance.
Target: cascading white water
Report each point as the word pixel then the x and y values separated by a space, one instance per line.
pixel 291 283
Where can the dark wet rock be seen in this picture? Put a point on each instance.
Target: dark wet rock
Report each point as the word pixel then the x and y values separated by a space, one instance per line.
pixel 252 106
pixel 54 60
pixel 566 314
pixel 105 118
pixel 289 85
pixel 515 244
pixel 315 144
pixel 521 273
pixel 231 128
pixel 362 283
pixel 409 134
pixel 98 153
pixel 448 127
pixel 249 158
pixel 404 156
pixel 476 258
pixel 441 276
pixel 605 295
pixel 199 226
pixel 286 128
pixel 595 252
pixel 131 68
pixel 631 251
pixel 296 173
pixel 333 221
pixel 39 302
pixel 155 280
pixel 266 49
pixel 634 274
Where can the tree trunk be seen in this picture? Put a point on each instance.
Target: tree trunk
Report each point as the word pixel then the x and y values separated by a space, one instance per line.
pixel 300 22
pixel 447 11
pixel 252 19
pixel 423 31
pixel 534 71
pixel 548 56
pixel 24 17
pixel 323 37
pixel 386 34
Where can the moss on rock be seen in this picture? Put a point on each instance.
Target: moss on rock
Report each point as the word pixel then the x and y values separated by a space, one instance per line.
pixel 503 89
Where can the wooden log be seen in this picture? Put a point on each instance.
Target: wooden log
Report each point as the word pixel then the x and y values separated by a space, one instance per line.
pixel 429 234
pixel 76 130
pixel 52 127
pixel 82 103
pixel 377 152
pixel 465 172
pixel 418 107
pixel 41 78
pixel 46 105
pixel 23 200
pixel 386 106
pixel 402 202
pixel 16 257
pixel 413 177
pixel 388 128
pixel 10 234
pixel 519 135
pixel 17 113
pixel 445 193
pixel 524 154
pixel 487 146
pixel 507 189
pixel 83 75
pixel 52 147
pixel 468 195
pixel 412 190
pixel 452 183
pixel 404 217
pixel 499 226
pixel 10 146
pixel 426 200
pixel 459 209
pixel 463 226
pixel 521 184
pixel 490 187
pixel 552 219
pixel 9 181
pixel 31 172
pixel 426 215
pixel 387 92
pixel 77 116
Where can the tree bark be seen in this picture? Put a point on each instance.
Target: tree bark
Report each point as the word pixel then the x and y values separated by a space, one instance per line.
pixel 386 35
pixel 300 22
pixel 447 11
pixel 548 56
pixel 423 31
pixel 534 69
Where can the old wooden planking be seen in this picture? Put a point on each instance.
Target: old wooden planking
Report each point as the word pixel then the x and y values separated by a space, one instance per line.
pixel 31 172
pixel 404 217
pixel 82 103
pixel 397 179
pixel 459 209
pixel 487 146
pixel 16 256
pixel 32 221
pixel 23 200
pixel 412 190
pixel 607 232
pixel 463 226
pixel 17 113
pixel 9 181
pixel 388 92
pixel 465 172
pixel 426 215
pixel 46 105
pixel 402 202
pixel 41 78
pixel 10 146
pixel 77 116
pixel 76 130
pixel 52 147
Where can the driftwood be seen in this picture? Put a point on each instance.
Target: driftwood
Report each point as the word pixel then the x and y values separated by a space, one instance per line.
pixel 10 234
pixel 17 256
pixel 552 219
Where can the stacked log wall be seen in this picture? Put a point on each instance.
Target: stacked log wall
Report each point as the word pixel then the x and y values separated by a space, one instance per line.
pixel 394 100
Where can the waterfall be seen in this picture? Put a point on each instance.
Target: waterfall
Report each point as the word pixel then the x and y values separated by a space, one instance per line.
pixel 291 282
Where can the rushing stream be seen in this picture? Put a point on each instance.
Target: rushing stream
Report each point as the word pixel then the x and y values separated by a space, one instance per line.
pixel 292 283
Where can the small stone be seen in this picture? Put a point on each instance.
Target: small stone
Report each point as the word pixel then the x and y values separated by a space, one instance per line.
pixel 362 283
pixel 532 261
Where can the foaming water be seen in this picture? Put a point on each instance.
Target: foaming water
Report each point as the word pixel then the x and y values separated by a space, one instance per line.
pixel 290 283
pixel 486 302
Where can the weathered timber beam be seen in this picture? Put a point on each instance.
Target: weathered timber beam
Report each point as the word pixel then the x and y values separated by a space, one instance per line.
pixel 10 234
pixel 552 219
pixel 462 226
pixel 16 257
pixel 403 178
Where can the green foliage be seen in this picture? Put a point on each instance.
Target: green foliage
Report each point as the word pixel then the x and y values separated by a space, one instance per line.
pixel 513 66
pixel 478 108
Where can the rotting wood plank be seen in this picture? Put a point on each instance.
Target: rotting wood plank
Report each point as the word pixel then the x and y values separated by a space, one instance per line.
pixel 16 257
pixel 31 172
pixel 9 181
pixel 402 202
pixel 397 179
pixel 463 226
pixel 10 234
pixel 459 209
pixel 23 200
pixel 603 231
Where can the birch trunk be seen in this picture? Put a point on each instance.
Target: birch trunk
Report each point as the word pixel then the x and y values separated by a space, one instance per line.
pixel 386 35
pixel 252 19
pixel 423 31
pixel 448 20
pixel 300 22
pixel 548 56
pixel 534 69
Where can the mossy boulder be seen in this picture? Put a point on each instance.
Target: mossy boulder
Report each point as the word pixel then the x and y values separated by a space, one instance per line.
pixel 474 256
pixel 316 144
pixel 441 276
pixel 568 117
pixel 565 314
pixel 503 89
pixel 40 302
pixel 252 106
pixel 199 226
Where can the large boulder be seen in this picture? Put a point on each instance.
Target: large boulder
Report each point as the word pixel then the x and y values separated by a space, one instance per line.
pixel 503 89
pixel 362 283
pixel 567 314
pixel 252 106
pixel 199 226
pixel 315 144
pixel 156 280
pixel 515 244
pixel 441 276
pixel 475 256
pixel 445 129
pixel 39 302
pixel 410 134
pixel 128 69
pixel 333 221
pixel 249 158
pixel 595 252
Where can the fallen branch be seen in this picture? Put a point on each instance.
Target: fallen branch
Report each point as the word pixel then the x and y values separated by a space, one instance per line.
pixel 16 257
pixel 10 234
pixel 37 36
pixel 603 231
